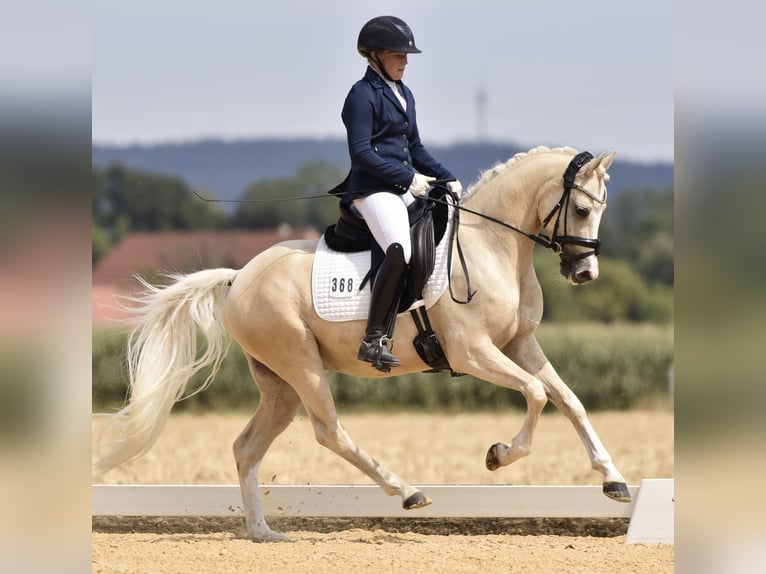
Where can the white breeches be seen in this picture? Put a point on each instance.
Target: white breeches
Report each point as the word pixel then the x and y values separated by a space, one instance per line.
pixel 386 215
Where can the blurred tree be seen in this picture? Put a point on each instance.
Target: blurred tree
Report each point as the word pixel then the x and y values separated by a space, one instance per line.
pixel 274 204
pixel 619 294
pixel 267 205
pixel 153 202
pixel 317 178
pixel 638 228
pixel 141 201
pixel 100 243
pixel 127 200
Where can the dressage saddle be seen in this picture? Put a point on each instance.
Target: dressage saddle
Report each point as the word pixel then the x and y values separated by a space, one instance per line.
pixel 428 223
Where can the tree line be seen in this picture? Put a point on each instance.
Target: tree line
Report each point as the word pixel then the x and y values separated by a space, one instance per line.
pixel 636 261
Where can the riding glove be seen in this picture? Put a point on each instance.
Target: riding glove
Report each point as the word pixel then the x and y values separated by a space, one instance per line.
pixel 420 184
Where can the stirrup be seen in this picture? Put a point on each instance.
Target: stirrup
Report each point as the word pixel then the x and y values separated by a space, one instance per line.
pixel 378 353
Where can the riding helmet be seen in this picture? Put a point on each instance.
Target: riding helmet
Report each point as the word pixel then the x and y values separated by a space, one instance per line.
pixel 386 33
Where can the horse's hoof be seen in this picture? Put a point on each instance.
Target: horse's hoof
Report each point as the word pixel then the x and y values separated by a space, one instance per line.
pixel 417 500
pixel 492 461
pixel 268 535
pixel 617 491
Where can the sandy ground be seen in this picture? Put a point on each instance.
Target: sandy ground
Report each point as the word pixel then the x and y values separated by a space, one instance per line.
pixel 423 449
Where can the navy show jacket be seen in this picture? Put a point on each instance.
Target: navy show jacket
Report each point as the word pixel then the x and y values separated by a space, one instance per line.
pixel 383 141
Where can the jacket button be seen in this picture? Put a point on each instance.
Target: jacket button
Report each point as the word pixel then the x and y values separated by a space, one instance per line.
pixel 405 162
pixel 406 124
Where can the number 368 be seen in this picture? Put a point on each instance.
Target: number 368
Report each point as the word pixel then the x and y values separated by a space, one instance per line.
pixel 342 285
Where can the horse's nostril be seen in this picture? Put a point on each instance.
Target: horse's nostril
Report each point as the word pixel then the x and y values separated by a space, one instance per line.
pixel 583 276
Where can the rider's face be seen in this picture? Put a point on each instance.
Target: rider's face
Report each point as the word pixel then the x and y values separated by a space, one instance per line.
pixel 393 63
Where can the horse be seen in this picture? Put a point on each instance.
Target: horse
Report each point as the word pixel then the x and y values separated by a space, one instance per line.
pixel 266 307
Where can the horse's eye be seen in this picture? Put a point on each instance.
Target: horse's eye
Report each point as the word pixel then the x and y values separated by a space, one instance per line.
pixel 582 211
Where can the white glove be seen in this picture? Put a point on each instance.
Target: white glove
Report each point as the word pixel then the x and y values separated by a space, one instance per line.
pixel 455 187
pixel 420 184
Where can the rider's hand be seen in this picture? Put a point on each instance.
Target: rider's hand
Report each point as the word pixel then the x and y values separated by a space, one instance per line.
pixel 420 184
pixel 455 187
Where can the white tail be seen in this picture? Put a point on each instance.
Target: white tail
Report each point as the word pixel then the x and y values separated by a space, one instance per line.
pixel 162 357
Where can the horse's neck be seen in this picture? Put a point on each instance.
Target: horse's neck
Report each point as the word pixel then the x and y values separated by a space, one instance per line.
pixel 512 197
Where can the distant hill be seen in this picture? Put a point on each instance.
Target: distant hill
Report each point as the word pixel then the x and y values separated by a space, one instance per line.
pixel 224 169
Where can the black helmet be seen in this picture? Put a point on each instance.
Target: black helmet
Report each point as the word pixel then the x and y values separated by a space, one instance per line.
pixel 386 33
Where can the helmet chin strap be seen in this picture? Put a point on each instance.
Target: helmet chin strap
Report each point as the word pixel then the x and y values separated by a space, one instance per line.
pixel 379 66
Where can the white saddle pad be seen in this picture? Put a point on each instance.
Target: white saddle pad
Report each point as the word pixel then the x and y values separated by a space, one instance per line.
pixel 336 278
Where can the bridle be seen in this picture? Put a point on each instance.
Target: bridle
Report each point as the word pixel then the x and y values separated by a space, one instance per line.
pixel 555 242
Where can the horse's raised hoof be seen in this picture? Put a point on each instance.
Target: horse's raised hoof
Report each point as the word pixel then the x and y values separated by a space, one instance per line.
pixel 493 459
pixel 417 500
pixel 617 491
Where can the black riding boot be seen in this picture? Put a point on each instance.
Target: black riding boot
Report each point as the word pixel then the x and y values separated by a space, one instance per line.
pixel 386 290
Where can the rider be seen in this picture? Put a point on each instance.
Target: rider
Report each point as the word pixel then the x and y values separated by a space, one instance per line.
pixel 390 167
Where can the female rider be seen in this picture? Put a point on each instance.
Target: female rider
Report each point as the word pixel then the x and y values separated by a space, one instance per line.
pixel 390 167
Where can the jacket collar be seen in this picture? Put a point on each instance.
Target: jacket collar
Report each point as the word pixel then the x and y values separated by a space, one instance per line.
pixel 377 81
pixel 374 77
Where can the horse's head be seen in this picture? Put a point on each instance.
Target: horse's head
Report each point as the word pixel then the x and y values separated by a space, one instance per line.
pixel 572 223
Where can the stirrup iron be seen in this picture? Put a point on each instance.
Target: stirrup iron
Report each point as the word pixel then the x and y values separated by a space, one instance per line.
pixel 378 352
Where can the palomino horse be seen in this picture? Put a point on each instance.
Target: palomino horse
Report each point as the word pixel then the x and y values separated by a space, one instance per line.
pixel 267 307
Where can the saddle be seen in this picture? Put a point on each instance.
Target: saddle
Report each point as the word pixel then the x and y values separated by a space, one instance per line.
pixel 428 222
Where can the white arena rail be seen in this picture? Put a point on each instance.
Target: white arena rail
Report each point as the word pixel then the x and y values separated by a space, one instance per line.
pixel 651 511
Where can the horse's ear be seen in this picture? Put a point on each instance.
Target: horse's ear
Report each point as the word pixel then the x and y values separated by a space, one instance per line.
pixel 591 165
pixel 603 160
pixel 608 160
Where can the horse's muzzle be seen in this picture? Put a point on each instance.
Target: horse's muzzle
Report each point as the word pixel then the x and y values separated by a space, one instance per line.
pixel 579 270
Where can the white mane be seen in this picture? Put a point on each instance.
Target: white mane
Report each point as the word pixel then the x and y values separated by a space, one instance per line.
pixel 501 167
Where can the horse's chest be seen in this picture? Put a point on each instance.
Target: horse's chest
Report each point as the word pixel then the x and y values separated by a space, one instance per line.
pixel 512 311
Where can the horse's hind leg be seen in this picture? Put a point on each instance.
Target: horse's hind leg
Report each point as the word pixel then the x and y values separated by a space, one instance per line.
pixel 529 354
pixel 309 380
pixel 331 434
pixel 277 407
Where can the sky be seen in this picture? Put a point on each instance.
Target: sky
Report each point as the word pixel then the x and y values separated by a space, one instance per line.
pixel 594 75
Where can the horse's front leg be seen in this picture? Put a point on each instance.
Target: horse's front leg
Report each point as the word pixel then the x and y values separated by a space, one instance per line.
pixel 487 362
pixel 561 395
pixel 527 353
